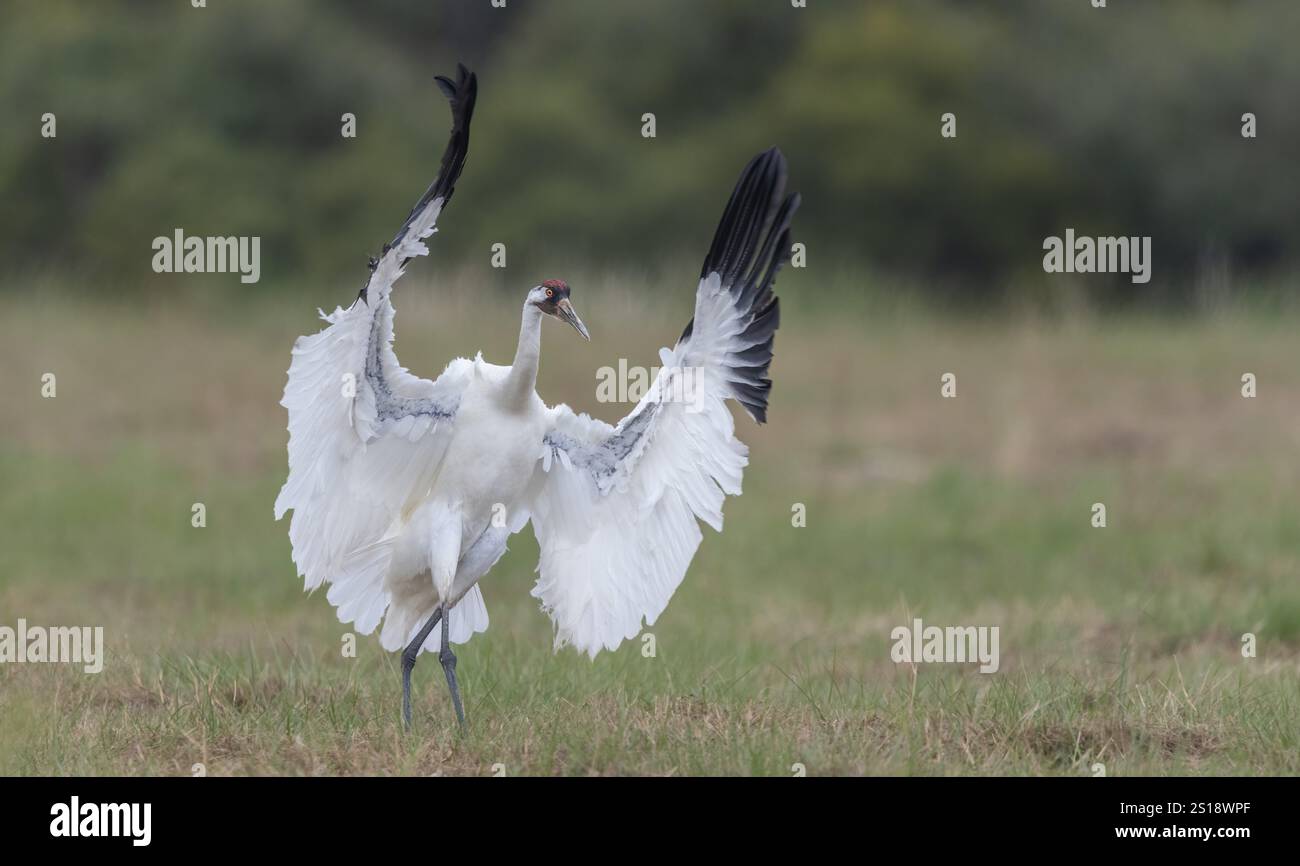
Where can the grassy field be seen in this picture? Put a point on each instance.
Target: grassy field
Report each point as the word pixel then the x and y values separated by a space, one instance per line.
pixel 1119 645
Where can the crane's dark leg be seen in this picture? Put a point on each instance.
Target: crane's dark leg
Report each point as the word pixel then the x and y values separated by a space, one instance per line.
pixel 448 659
pixel 408 662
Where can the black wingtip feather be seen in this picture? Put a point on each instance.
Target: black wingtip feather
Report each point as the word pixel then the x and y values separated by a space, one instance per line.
pixel 742 222
pixel 462 94
pixel 751 244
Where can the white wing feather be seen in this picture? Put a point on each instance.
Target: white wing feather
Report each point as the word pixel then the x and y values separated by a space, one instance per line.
pixel 353 473
pixel 366 438
pixel 615 546
pixel 616 512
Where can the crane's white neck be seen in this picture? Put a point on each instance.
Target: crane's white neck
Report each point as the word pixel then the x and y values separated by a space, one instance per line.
pixel 522 382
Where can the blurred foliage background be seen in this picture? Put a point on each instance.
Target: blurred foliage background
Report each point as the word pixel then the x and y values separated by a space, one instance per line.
pixel 1120 645
pixel 226 120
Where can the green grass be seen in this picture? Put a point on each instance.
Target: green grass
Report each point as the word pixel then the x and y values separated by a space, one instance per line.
pixel 1118 645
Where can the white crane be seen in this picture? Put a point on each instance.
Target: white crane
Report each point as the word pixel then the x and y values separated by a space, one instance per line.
pixel 395 481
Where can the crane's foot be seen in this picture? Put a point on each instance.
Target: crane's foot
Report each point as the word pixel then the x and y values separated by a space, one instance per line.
pixel 408 663
pixel 409 655
pixel 448 659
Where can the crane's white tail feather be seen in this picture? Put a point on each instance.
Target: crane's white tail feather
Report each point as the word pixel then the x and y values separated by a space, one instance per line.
pixel 359 592
pixel 410 610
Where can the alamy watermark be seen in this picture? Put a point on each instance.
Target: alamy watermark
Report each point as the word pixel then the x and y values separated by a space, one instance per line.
pixel 953 644
pixel 75 818
pixel 1084 255
pixel 81 645
pixel 211 255
pixel 628 384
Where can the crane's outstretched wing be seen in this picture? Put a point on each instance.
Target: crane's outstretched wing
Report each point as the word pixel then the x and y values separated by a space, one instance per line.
pixel 365 436
pixel 616 509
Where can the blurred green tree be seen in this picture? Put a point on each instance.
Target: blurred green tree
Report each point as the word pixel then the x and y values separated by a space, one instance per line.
pixel 226 120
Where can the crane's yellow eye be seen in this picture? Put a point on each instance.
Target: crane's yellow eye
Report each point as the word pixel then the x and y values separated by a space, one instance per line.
pixel 550 293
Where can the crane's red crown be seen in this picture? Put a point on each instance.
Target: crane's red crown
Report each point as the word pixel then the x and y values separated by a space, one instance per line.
pixel 555 284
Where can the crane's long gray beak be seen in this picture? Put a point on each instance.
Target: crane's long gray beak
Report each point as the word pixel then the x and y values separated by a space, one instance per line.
pixel 570 315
